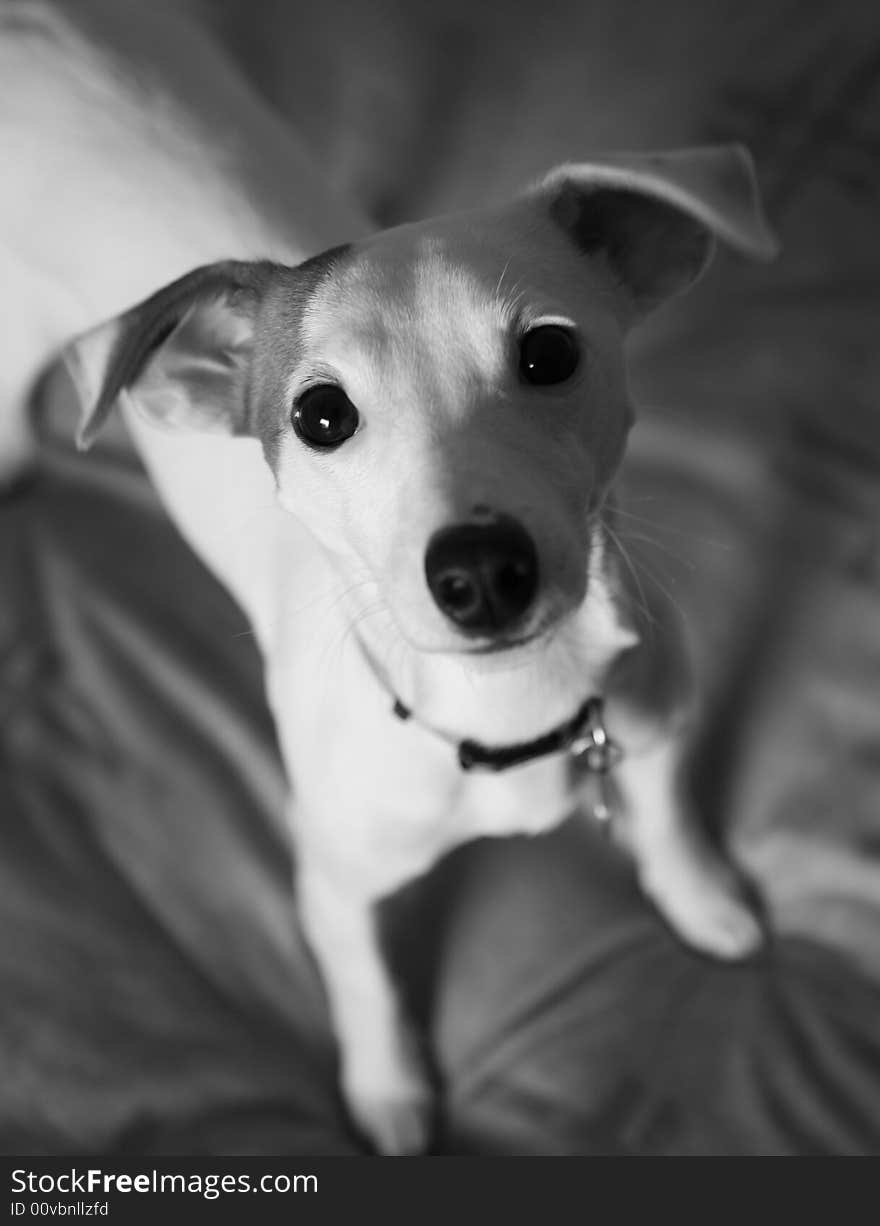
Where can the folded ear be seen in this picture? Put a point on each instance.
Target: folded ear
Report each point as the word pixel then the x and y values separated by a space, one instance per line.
pixel 655 216
pixel 182 357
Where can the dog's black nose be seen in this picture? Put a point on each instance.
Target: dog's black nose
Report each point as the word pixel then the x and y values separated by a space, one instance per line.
pixel 483 577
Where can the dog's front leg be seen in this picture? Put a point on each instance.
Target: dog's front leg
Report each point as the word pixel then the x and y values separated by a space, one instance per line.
pixel 326 705
pixel 382 1073
pixel 697 890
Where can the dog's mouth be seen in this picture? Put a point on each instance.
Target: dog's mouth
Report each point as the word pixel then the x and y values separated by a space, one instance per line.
pixel 501 645
pixel 506 645
pixel 502 650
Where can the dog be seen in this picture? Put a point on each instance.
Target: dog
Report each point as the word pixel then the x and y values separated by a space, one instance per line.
pixel 397 450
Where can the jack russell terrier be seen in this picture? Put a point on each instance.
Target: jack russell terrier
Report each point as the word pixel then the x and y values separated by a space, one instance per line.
pixel 396 450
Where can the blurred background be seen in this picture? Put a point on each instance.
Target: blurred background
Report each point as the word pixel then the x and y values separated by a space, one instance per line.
pixel 157 995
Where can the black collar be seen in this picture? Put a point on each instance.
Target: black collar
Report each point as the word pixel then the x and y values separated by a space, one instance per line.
pixel 584 737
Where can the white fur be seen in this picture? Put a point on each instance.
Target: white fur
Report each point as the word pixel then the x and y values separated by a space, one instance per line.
pixel 122 170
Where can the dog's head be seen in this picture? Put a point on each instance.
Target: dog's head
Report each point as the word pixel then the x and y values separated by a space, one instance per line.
pixel 445 403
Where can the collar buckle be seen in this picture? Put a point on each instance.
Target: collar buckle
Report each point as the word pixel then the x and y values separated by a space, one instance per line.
pixel 590 745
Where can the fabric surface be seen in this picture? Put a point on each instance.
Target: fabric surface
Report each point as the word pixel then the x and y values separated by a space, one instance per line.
pixel 157 995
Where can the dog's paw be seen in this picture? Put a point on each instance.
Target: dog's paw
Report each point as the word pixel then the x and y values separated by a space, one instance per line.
pixel 397 1122
pixel 390 1096
pixel 701 897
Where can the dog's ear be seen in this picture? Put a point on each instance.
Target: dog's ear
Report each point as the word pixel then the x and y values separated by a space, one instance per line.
pixel 655 216
pixel 182 356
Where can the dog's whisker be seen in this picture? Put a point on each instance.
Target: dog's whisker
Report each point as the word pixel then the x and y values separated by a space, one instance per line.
pixel 334 643
pixel 660 545
pixel 630 565
pixel 359 619
pixel 649 574
pixel 501 278
pixel 697 537
pixel 338 596
pixel 664 590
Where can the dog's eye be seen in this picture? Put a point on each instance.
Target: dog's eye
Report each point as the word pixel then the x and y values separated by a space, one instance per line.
pixel 548 354
pixel 324 416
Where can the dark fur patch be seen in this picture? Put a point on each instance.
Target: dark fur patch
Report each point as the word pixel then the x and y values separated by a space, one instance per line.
pixel 279 343
pixel 653 247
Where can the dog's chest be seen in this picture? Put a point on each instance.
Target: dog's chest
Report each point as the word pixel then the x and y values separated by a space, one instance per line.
pixel 386 798
pixel 416 804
